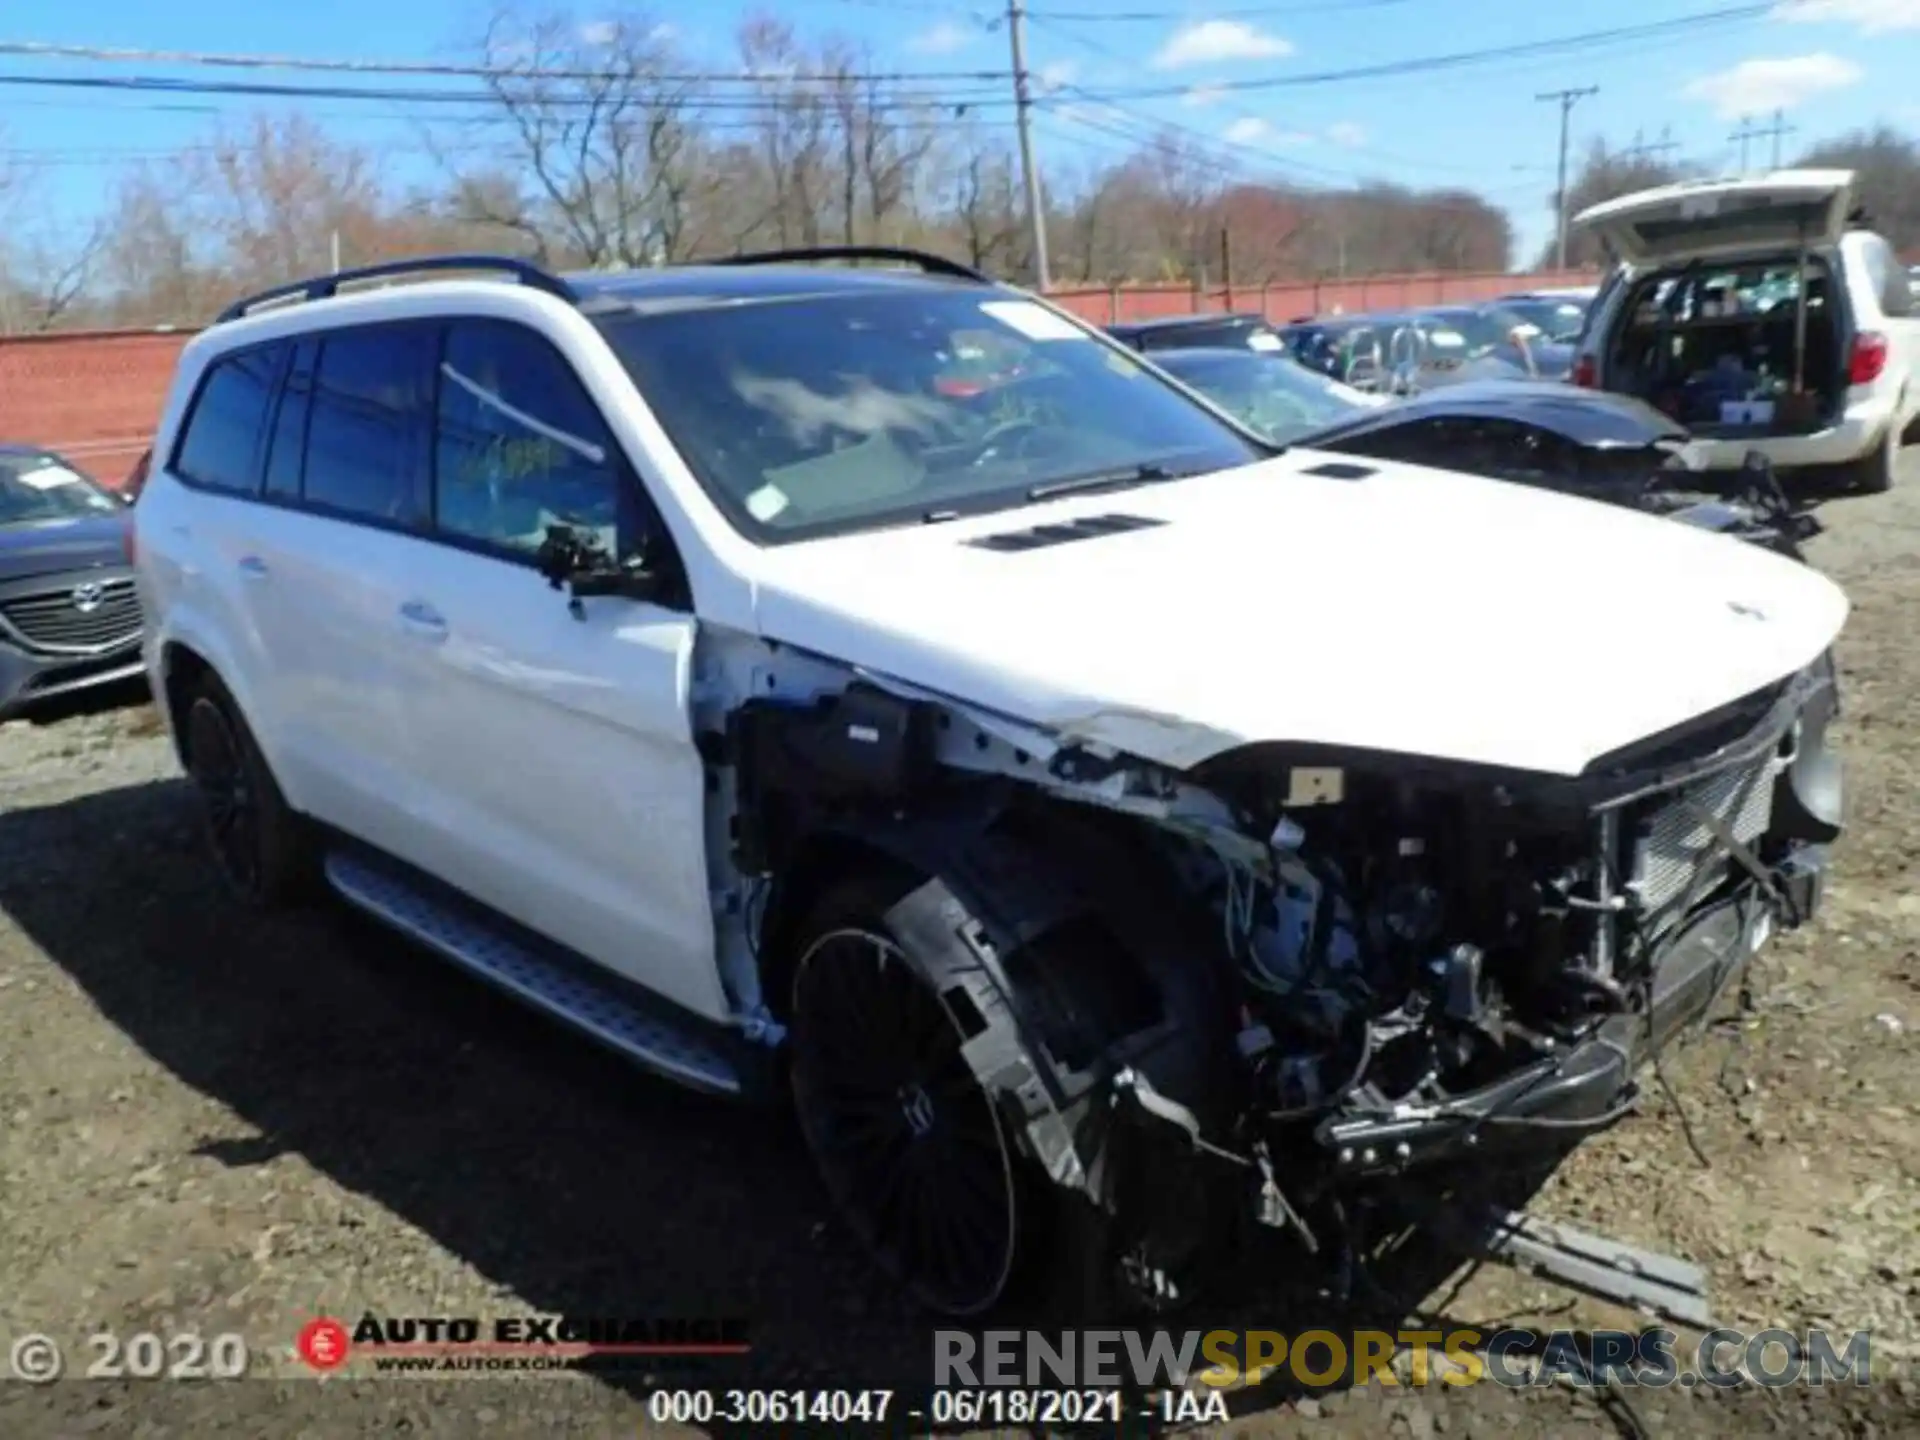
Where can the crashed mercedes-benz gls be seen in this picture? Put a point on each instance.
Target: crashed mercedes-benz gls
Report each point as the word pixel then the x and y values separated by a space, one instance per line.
pixel 1107 827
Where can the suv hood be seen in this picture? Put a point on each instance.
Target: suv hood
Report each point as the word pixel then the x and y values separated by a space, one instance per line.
pixel 1404 610
pixel 58 546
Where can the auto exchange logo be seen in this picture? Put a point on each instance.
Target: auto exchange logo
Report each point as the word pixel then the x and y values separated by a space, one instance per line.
pixel 450 1343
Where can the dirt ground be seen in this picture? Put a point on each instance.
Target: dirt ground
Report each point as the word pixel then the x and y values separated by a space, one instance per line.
pixel 217 1123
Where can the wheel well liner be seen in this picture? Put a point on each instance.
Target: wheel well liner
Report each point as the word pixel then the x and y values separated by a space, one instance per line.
pixel 183 670
pixel 1062 934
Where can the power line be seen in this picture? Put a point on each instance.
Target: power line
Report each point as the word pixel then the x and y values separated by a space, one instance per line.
pixel 1560 45
pixel 904 100
pixel 1566 99
pixel 1257 12
pixel 1101 48
pixel 1205 150
pixel 32 49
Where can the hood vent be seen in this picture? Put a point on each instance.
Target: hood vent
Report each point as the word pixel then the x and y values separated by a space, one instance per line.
pixel 1087 527
pixel 1340 470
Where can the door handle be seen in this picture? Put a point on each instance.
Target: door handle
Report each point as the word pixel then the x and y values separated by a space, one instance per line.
pixel 421 619
pixel 252 567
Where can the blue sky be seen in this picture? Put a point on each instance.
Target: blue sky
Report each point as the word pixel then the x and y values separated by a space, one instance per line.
pixel 1830 64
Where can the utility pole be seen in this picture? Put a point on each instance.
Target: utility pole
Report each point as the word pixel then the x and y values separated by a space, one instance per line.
pixel 1023 113
pixel 1748 133
pixel 1777 130
pixel 1566 99
pixel 1642 150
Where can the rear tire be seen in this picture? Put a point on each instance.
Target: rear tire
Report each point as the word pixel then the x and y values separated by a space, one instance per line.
pixel 264 851
pixel 1874 473
pixel 912 1150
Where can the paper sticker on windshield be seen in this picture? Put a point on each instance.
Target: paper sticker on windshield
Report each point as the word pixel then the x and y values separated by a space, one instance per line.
pixel 1446 339
pixel 50 477
pixel 1263 342
pixel 1036 322
pixel 765 503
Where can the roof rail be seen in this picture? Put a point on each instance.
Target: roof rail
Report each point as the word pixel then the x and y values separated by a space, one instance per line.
pixel 929 262
pixel 322 287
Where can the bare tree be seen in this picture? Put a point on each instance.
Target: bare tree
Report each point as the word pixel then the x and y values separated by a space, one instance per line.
pixel 46 266
pixel 1886 166
pixel 599 124
pixel 1606 174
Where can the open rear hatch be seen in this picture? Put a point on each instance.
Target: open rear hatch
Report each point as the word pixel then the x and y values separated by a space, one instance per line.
pixel 1735 320
pixel 1698 220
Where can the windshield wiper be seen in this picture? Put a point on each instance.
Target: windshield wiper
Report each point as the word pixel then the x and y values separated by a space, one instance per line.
pixel 1107 480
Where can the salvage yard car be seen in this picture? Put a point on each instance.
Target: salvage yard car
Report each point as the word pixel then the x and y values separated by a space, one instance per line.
pixel 1762 315
pixel 1101 825
pixel 69 617
pixel 1580 442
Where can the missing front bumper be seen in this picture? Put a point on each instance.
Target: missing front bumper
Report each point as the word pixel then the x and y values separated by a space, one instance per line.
pixel 1589 1084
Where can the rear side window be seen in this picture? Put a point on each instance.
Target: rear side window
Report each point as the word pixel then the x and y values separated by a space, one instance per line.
pixel 286 449
pixel 371 415
pixel 519 444
pixel 220 446
pixel 1891 286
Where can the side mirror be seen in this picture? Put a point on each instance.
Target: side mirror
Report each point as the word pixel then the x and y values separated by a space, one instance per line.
pixel 571 559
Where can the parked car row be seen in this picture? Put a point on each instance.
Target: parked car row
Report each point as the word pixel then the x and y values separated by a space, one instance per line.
pixel 1398 352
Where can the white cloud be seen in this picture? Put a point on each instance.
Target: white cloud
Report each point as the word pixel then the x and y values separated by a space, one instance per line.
pixel 1251 130
pixel 601 33
pixel 1874 17
pixel 1347 135
pixel 1052 77
pixel 1211 42
pixel 1755 85
pixel 944 38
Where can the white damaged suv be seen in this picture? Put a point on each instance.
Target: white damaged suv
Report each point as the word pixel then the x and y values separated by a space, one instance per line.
pixel 873 687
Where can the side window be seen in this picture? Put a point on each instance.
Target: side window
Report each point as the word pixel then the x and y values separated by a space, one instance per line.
pixel 1889 277
pixel 519 444
pixel 286 449
pixel 370 412
pixel 220 446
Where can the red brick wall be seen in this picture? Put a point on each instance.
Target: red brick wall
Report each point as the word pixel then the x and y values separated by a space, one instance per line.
pixel 96 395
pixel 1286 300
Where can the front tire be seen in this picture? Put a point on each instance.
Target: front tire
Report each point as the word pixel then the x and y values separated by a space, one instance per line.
pixel 262 849
pixel 913 1151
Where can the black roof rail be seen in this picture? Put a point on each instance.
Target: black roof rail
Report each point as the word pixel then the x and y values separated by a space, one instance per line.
pixel 929 262
pixel 322 287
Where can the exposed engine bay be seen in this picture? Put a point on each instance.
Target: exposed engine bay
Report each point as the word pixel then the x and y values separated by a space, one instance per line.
pixel 1392 963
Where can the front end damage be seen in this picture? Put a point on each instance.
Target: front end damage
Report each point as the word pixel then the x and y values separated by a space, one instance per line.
pixel 1288 976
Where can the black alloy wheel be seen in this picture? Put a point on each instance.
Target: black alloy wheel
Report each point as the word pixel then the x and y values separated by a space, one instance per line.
pixel 230 801
pixel 912 1150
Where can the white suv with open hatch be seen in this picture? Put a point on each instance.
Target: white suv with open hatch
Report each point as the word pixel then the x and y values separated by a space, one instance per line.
pixel 1763 315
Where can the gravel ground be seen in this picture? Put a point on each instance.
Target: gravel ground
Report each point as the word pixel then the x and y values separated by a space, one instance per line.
pixel 219 1123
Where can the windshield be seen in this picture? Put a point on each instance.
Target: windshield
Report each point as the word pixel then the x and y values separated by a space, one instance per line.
pixel 1481 331
pixel 37 489
pixel 1558 320
pixel 1276 397
pixel 818 413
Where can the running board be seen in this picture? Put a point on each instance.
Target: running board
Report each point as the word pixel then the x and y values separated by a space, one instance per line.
pixel 595 1007
pixel 1651 1283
